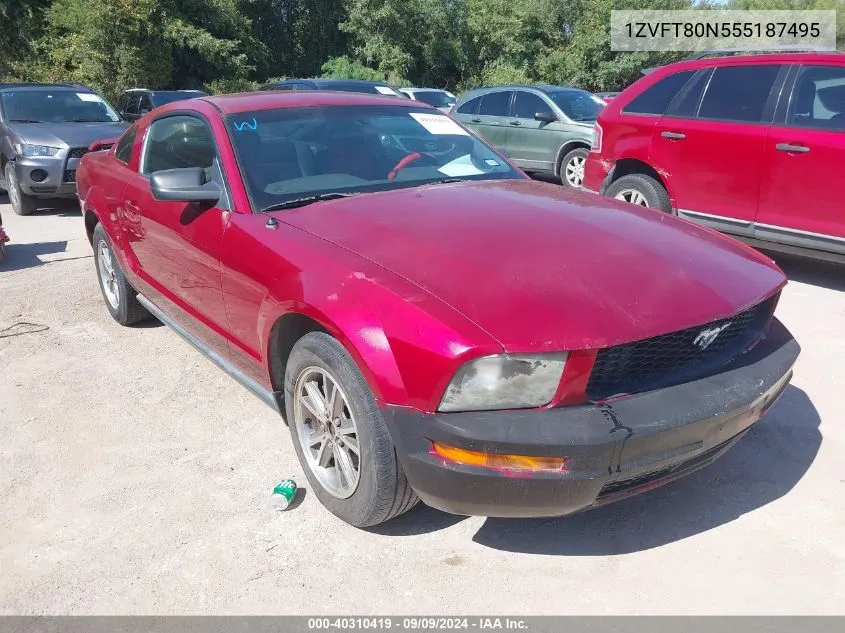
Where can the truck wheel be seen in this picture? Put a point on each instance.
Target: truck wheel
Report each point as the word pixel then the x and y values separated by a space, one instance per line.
pixel 22 204
pixel 572 168
pixel 340 436
pixel 641 190
pixel 121 298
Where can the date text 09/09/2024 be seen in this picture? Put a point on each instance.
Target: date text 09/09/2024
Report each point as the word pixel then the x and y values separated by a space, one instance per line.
pixel 417 623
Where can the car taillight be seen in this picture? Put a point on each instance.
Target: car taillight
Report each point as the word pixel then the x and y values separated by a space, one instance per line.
pixel 597 134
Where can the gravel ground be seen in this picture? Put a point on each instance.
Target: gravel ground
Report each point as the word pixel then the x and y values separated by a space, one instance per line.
pixel 135 478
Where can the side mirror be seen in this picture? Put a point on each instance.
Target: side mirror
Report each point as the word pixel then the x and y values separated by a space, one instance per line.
pixel 546 117
pixel 503 151
pixel 103 143
pixel 183 185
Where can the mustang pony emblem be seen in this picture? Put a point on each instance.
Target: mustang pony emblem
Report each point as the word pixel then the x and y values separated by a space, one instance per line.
pixel 705 338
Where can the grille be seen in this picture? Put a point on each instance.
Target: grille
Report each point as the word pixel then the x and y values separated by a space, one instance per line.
pixel 77 152
pixel 671 359
pixel 70 175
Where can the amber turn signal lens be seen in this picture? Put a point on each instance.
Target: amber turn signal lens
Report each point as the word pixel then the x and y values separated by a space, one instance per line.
pixel 496 460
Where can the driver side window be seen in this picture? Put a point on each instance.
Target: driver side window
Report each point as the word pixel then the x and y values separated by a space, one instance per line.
pixel 527 104
pixel 176 142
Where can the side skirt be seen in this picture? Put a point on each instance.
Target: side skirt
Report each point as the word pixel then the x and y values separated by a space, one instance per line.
pixel 264 394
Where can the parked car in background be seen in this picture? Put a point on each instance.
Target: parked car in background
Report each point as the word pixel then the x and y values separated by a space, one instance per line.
pixel 136 102
pixel 433 323
pixel 44 130
pixel 543 128
pixel 751 145
pixel 607 97
pixel 443 100
pixel 338 85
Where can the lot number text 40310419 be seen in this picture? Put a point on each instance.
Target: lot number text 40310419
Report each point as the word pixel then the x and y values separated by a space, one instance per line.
pixel 417 623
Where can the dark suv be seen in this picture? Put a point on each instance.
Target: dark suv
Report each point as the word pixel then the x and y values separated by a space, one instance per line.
pixel 751 145
pixel 44 130
pixel 136 102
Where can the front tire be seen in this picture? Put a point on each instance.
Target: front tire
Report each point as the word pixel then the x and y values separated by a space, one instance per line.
pixel 572 168
pixel 340 436
pixel 22 204
pixel 641 190
pixel 120 298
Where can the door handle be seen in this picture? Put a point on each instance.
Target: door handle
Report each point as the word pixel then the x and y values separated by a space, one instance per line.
pixel 677 136
pixel 476 120
pixel 515 123
pixel 786 147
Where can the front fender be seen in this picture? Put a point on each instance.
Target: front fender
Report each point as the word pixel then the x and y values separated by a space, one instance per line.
pixel 407 344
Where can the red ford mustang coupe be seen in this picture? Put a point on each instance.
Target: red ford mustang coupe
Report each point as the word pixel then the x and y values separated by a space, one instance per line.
pixel 433 324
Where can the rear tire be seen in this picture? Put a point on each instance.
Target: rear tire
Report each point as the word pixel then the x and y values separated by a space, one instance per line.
pixel 375 489
pixel 120 298
pixel 641 190
pixel 571 170
pixel 22 204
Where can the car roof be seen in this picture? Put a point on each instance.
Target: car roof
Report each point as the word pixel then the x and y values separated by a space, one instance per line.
pixel 329 82
pixel 540 88
pixel 37 86
pixel 158 92
pixel 728 58
pixel 271 100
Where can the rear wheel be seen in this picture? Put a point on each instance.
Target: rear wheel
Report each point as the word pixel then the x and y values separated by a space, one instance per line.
pixel 572 168
pixel 22 204
pixel 340 435
pixel 641 190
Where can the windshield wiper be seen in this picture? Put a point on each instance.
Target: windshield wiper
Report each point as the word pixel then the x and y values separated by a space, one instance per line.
pixel 84 120
pixel 25 121
pixel 301 202
pixel 446 181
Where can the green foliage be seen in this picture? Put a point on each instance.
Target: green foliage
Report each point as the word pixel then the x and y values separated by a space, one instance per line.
pixel 229 45
pixel 345 68
pixel 20 23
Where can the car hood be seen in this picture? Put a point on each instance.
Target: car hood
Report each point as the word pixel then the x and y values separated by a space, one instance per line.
pixel 540 268
pixel 67 134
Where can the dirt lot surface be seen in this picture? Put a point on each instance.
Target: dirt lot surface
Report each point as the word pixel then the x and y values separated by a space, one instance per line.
pixel 135 477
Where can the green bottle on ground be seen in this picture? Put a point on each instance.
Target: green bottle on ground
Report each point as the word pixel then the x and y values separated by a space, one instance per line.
pixel 283 494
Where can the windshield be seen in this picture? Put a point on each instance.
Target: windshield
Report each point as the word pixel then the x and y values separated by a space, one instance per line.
pixel 577 104
pixel 289 153
pixel 55 106
pixel 437 98
pixel 160 98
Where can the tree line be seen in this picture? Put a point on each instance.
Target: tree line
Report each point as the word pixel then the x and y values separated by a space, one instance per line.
pixel 229 45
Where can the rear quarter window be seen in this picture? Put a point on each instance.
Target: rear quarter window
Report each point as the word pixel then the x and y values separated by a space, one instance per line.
pixel 470 107
pixel 655 99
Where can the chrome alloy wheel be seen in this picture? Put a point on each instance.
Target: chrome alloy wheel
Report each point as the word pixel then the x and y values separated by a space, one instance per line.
pixel 575 171
pixel 327 432
pixel 633 196
pixel 108 276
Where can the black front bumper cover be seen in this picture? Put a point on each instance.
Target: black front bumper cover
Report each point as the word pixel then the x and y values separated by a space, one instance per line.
pixel 613 450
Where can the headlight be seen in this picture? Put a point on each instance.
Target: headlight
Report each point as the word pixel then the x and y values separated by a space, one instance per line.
pixel 505 382
pixel 25 149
